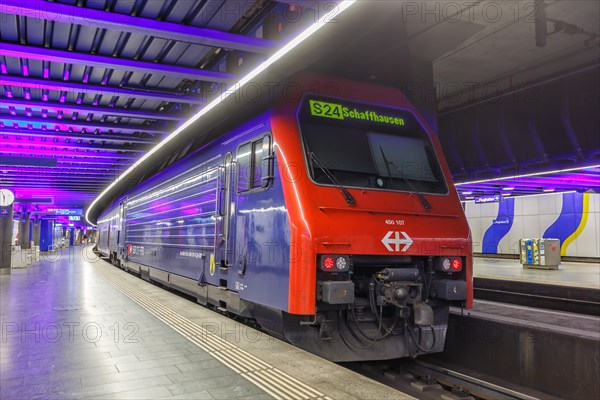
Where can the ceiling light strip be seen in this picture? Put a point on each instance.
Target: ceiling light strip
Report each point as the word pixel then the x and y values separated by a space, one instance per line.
pixel 512 178
pixel 341 7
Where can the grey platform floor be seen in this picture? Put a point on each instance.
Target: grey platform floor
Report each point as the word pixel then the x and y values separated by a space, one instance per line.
pixel 585 275
pixel 75 327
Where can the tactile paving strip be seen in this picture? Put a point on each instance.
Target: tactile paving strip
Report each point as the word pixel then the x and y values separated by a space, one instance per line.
pixel 275 382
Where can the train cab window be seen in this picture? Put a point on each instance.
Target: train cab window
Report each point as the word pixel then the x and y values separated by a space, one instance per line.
pixel 368 146
pixel 253 159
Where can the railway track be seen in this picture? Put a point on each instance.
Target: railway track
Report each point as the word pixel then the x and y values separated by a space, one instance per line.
pixel 429 381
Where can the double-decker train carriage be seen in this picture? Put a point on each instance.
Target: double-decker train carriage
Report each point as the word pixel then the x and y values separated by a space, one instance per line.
pixel 330 218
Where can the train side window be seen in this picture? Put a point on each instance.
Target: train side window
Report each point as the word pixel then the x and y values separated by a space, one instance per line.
pixel 254 161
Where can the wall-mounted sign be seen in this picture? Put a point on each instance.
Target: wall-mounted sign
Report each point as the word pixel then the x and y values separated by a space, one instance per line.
pixel 74 218
pixel 65 211
pixel 494 198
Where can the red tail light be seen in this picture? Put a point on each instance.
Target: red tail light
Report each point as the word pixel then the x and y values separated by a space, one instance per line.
pixel 456 264
pixel 328 262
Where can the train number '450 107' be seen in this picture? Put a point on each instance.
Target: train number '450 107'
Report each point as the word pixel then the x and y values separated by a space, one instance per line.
pixel 394 222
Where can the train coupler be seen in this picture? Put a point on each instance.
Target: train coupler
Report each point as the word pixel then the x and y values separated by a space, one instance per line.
pixel 423 314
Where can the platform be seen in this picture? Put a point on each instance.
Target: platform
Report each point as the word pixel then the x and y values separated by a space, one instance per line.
pixel 574 287
pixel 584 275
pixel 74 327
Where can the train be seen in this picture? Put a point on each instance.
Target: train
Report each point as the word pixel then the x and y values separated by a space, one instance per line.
pixel 329 218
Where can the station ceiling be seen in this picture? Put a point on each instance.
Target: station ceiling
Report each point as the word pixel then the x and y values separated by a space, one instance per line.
pixel 88 87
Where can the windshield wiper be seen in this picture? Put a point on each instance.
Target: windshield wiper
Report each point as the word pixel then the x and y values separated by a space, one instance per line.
pixel 422 198
pixel 347 196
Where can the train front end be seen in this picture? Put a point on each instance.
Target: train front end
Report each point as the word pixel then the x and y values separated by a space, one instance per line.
pixel 379 244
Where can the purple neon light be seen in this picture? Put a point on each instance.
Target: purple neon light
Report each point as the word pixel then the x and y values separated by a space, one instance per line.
pixel 62 98
pixel 69 57
pixel 156 94
pixel 86 77
pixel 66 75
pixel 45 96
pixel 25 69
pixel 77 146
pixel 27 94
pixel 44 113
pixel 70 107
pixel 9 93
pixel 53 152
pixel 46 72
pixel 3 68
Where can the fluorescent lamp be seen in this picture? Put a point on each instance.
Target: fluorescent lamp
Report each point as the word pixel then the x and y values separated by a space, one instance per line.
pixel 538 194
pixel 341 7
pixel 508 188
pixel 557 171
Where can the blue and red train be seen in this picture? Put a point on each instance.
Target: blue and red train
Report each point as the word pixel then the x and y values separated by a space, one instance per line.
pixel 330 219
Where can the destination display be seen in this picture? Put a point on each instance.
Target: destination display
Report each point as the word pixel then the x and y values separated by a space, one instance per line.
pixel 327 109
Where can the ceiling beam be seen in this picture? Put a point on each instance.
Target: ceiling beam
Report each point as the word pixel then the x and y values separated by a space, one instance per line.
pixel 56 171
pixel 82 124
pixel 91 60
pixel 54 185
pixel 24 132
pixel 29 152
pixel 71 145
pixel 80 182
pixel 103 90
pixel 24 175
pixel 61 162
pixel 70 163
pixel 84 109
pixel 144 26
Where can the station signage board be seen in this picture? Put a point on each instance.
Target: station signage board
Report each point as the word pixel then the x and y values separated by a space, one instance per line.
pixel 494 198
pixel 65 211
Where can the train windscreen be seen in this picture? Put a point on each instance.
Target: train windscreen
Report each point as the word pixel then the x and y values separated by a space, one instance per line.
pixel 368 146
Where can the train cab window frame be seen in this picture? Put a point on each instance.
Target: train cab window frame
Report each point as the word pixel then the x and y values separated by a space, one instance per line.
pixel 254 160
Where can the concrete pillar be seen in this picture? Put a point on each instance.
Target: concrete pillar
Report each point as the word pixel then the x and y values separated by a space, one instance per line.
pixel 6 232
pixel 71 236
pixel 35 231
pixel 24 229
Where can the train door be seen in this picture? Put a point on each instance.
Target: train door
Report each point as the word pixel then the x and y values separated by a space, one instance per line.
pixel 121 232
pixel 225 246
pixel 254 174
